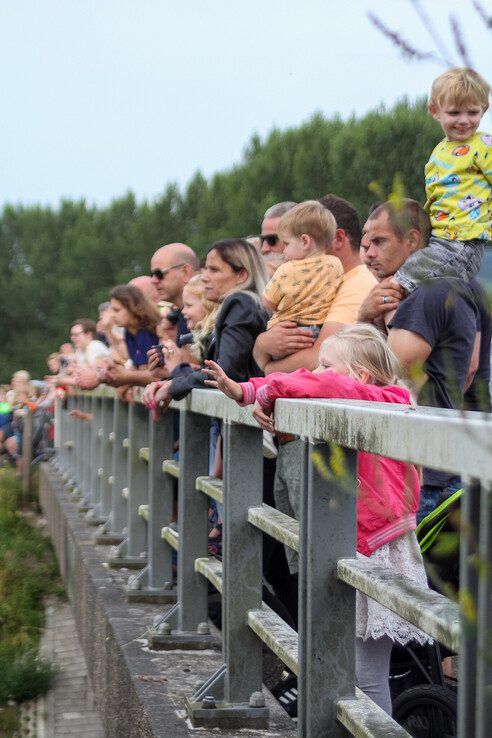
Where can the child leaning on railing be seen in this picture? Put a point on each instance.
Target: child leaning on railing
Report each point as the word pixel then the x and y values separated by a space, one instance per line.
pixel 356 364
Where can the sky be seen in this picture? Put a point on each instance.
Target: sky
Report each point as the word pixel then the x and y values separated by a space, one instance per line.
pixel 104 96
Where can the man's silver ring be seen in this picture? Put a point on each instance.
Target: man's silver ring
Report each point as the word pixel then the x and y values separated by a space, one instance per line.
pixel 385 299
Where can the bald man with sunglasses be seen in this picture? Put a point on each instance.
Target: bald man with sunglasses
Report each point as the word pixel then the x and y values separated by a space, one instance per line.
pixel 171 268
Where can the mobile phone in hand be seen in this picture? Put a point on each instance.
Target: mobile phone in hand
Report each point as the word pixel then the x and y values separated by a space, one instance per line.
pixel 158 348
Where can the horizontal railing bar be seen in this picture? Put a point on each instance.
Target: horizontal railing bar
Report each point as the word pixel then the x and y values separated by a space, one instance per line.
pixel 431 612
pixel 364 719
pixel 276 634
pixel 268 626
pixel 171 537
pixel 143 454
pixel 276 524
pixel 211 569
pixel 171 467
pixel 211 487
pixel 442 439
pixel 143 511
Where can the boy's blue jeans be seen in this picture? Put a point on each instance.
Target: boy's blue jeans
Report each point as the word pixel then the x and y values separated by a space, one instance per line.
pixel 441 258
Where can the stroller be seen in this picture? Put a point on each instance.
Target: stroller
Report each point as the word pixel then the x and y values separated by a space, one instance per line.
pixel 424 699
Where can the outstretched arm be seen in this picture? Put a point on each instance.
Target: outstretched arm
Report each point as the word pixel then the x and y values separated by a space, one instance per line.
pixel 219 379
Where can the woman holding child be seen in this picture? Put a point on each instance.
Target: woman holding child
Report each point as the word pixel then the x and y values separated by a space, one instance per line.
pixel 234 278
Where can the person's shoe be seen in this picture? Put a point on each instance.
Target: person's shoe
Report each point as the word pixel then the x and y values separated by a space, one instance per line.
pixel 286 693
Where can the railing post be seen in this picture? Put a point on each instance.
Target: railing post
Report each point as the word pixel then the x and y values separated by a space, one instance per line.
pixel 27 458
pixel 113 530
pixel 237 686
pixel 79 442
pixel 106 457
pixel 155 581
pixel 469 585
pixel 91 499
pixel 132 552
pixel 85 429
pixel 185 625
pixel 327 606
pixel 69 457
pixel 484 611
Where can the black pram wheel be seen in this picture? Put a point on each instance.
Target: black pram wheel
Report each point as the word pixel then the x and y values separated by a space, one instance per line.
pixel 427 711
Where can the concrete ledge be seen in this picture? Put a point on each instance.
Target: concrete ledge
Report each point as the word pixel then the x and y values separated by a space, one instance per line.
pixel 138 692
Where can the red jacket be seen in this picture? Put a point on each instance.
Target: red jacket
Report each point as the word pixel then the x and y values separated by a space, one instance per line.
pixel 389 490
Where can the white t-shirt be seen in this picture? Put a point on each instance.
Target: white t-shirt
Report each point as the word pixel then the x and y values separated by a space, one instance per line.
pixel 95 350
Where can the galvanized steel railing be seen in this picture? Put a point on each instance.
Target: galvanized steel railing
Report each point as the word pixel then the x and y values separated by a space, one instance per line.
pixel 121 465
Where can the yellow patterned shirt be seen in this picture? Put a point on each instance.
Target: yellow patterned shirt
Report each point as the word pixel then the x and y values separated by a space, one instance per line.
pixel 303 289
pixel 458 185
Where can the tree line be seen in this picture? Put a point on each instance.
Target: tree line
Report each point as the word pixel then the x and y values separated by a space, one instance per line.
pixel 56 265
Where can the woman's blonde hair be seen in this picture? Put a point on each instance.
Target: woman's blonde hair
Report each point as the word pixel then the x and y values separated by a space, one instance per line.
pixel 203 329
pixel 361 347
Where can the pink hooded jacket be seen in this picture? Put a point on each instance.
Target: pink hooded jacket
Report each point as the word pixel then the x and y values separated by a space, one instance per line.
pixel 389 490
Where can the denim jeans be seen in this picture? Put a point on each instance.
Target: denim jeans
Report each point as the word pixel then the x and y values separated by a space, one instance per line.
pixel 441 258
pixel 431 497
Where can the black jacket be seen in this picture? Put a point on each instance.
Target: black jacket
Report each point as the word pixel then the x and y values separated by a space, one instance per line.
pixel 239 322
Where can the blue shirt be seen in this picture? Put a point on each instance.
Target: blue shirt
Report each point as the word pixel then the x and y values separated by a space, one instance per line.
pixel 139 344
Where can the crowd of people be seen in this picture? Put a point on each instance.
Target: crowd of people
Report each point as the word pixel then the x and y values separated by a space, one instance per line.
pixel 319 306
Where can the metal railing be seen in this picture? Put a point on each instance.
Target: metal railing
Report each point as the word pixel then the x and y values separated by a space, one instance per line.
pixel 121 466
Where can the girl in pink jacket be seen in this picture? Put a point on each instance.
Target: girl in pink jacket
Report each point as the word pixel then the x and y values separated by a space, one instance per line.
pixel 356 364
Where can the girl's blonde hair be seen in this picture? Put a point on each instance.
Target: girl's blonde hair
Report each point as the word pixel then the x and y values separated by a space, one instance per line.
pixel 203 329
pixel 361 347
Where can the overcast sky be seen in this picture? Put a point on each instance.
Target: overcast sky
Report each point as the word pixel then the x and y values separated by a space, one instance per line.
pixel 102 96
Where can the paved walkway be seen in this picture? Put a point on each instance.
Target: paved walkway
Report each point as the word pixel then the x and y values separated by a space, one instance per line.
pixel 68 710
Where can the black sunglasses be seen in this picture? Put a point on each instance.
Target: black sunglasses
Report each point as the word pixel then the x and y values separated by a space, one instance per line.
pixel 161 273
pixel 270 239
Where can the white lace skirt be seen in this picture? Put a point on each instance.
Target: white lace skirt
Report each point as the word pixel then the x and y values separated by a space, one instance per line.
pixel 374 620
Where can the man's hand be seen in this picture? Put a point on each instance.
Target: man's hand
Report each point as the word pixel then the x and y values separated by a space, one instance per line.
pixel 282 340
pixel 263 417
pixel 228 386
pixel 87 378
pixel 383 298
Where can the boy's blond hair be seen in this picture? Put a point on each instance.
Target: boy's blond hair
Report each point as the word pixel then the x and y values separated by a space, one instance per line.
pixel 458 86
pixel 311 218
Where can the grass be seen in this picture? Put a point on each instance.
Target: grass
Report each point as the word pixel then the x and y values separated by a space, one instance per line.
pixel 28 573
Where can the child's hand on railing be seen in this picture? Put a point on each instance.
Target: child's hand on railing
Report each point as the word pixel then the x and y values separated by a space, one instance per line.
pixel 264 417
pixel 229 387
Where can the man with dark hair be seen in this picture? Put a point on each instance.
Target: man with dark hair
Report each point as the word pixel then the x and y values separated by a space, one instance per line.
pixel 435 327
pixel 88 350
pixel 294 347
